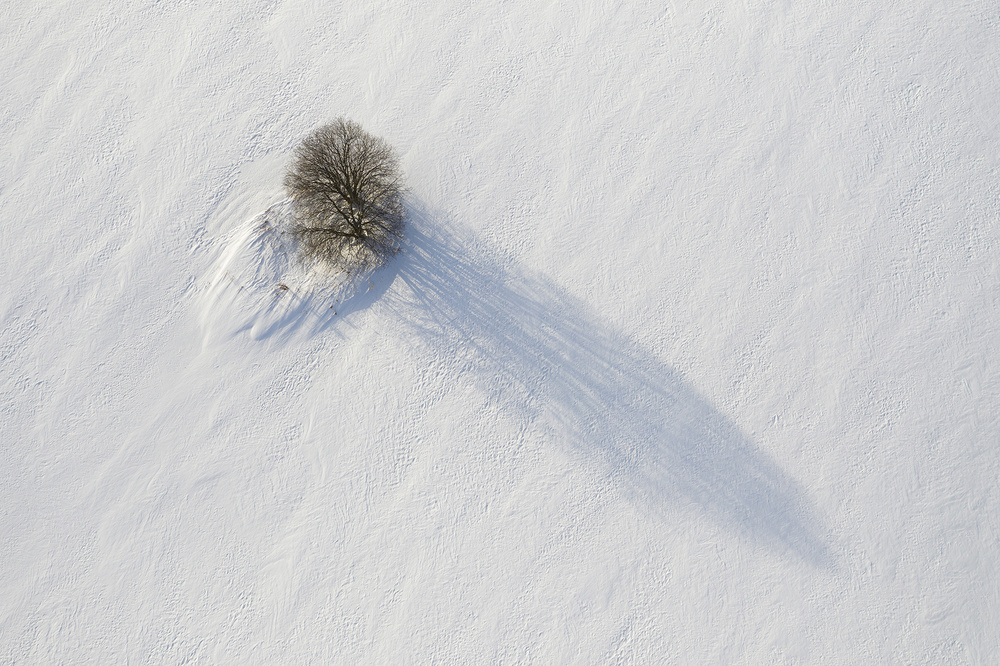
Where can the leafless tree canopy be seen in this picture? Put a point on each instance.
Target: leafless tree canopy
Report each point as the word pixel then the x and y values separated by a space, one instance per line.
pixel 346 189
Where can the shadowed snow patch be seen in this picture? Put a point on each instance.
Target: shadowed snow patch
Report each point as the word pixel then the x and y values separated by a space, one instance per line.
pixel 543 355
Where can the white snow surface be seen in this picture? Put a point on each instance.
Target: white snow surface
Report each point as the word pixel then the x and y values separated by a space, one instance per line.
pixel 692 354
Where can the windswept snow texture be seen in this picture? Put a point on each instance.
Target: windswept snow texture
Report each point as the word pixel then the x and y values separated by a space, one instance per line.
pixel 692 355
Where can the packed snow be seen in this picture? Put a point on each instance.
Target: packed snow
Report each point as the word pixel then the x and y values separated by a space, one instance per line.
pixel 691 354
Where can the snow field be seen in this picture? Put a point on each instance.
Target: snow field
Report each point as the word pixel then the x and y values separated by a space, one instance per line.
pixel 690 357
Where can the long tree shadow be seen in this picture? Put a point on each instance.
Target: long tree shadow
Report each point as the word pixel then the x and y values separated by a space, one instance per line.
pixel 537 349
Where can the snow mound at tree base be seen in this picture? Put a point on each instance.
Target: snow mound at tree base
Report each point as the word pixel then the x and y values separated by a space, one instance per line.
pixel 257 284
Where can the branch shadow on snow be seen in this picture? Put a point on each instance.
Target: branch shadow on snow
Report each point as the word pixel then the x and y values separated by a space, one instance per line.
pixel 657 440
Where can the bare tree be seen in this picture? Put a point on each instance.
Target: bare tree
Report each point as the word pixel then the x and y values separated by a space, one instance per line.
pixel 346 191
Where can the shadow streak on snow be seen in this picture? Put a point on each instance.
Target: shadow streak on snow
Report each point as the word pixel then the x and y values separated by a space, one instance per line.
pixel 651 433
